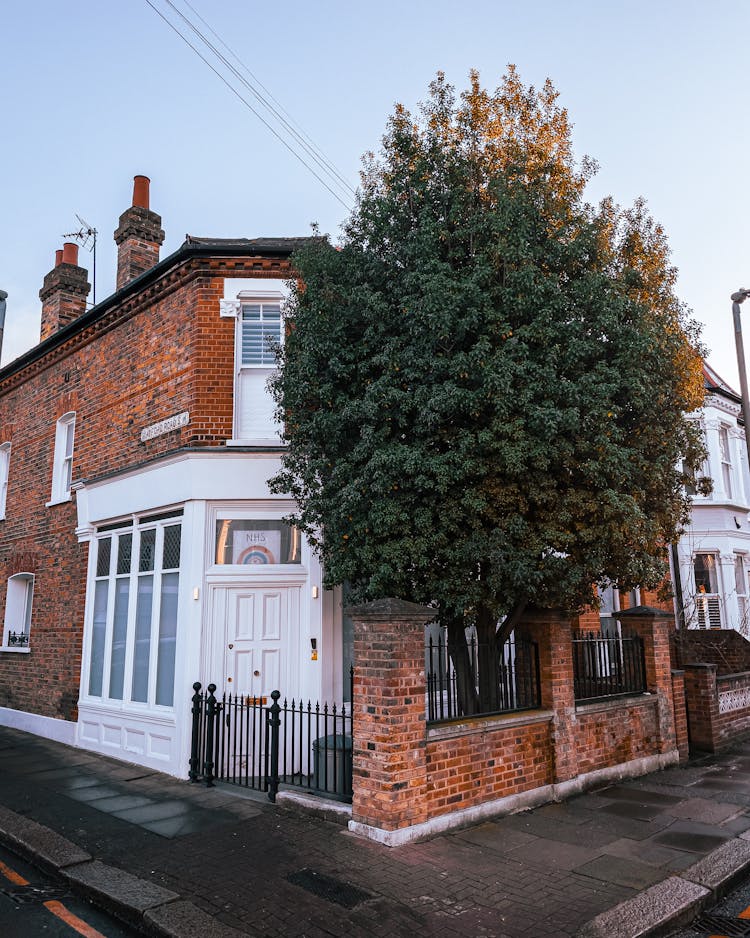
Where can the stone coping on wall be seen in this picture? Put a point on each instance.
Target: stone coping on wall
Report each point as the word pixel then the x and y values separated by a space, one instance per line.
pixel 740 675
pixel 469 726
pixel 631 700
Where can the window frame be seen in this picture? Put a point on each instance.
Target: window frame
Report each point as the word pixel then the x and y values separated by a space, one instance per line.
pixel 710 612
pixel 269 432
pixel 23 598
pixel 725 459
pixel 62 464
pixel 142 621
pixel 5 450
pixel 262 302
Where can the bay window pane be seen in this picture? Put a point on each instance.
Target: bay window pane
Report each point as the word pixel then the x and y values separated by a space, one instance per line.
pixel 142 650
pixel 98 634
pixel 119 638
pixel 167 639
pixel 148 548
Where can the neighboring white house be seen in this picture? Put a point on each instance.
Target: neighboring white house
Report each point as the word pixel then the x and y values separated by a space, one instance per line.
pixel 713 556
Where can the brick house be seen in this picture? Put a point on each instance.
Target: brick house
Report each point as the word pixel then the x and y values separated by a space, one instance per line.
pixel 140 548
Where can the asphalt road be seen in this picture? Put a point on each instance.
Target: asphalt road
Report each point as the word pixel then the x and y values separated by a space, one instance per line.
pixel 730 918
pixel 33 904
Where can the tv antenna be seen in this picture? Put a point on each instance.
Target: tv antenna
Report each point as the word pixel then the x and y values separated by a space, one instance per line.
pixel 86 237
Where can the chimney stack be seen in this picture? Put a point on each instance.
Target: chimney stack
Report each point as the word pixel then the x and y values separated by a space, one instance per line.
pixel 64 291
pixel 138 236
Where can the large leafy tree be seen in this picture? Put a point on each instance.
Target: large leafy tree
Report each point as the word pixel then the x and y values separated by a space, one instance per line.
pixel 484 387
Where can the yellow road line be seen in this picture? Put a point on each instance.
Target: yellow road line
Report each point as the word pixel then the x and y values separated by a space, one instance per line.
pixel 11 875
pixel 83 928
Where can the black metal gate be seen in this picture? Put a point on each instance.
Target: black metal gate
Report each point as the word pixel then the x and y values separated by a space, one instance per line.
pixel 261 744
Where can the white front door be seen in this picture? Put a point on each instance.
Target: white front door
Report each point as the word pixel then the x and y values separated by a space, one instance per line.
pixel 261 639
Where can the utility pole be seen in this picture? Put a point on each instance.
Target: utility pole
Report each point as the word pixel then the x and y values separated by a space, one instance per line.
pixel 739 297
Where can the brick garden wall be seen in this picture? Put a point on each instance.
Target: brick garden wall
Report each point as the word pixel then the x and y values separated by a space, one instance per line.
pixel 612 733
pixel 408 774
pixel 725 648
pixel 484 759
pixel 718 707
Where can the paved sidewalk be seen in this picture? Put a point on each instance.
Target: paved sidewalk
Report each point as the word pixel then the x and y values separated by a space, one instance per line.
pixel 201 863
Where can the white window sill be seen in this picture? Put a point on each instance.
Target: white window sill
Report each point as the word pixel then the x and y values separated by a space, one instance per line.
pixel 265 441
pixel 15 651
pixel 58 501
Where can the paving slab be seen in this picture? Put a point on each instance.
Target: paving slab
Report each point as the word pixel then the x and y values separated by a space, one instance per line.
pixel 634 810
pixel 705 810
pixel 623 871
pixel 547 854
pixel 653 854
pixel 638 796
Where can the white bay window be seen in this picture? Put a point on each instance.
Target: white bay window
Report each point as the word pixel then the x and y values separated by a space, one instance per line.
pixel 134 612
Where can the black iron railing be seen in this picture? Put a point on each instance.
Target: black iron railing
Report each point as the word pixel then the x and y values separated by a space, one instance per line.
pixel 262 743
pixel 476 679
pixel 608 666
pixel 18 639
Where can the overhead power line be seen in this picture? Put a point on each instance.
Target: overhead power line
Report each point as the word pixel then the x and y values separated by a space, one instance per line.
pixel 279 110
pixel 300 146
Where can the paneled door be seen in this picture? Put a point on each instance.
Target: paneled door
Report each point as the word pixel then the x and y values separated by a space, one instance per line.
pixel 257 634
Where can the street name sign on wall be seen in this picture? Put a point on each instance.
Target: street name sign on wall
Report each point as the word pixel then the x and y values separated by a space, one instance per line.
pixel 165 426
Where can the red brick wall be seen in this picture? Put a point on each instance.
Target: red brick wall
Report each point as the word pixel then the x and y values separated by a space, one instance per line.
pixel 680 714
pixel 725 648
pixel 612 733
pixel 488 760
pixel 711 730
pixel 702 705
pixel 735 722
pixel 156 354
pixel 406 772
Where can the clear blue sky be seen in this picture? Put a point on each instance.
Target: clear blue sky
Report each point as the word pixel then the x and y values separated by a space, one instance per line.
pixel 95 92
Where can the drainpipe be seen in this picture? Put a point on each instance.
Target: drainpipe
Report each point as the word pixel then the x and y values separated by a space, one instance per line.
pixel 3 298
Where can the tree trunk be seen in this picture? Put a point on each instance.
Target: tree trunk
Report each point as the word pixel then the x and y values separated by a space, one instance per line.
pixel 458 649
pixel 488 652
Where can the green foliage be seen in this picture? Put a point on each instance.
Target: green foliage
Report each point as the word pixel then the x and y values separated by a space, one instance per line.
pixel 484 388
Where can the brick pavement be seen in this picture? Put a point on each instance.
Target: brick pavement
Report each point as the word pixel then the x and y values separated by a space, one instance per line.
pixel 282 873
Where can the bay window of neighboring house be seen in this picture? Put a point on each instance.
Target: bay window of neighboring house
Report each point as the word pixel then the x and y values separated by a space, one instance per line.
pixel 133 622
pixel 707 596
pixel 259 333
pixel 741 590
pixel 18 603
pixel 62 465
pixel 725 453
pixel 4 474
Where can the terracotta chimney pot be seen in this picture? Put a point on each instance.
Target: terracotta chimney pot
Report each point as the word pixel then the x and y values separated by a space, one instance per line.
pixel 58 257
pixel 141 191
pixel 70 253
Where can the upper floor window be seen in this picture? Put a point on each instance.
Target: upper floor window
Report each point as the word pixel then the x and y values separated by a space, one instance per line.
pixel 62 467
pixel 17 629
pixel 261 334
pixel 726 459
pixel 4 472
